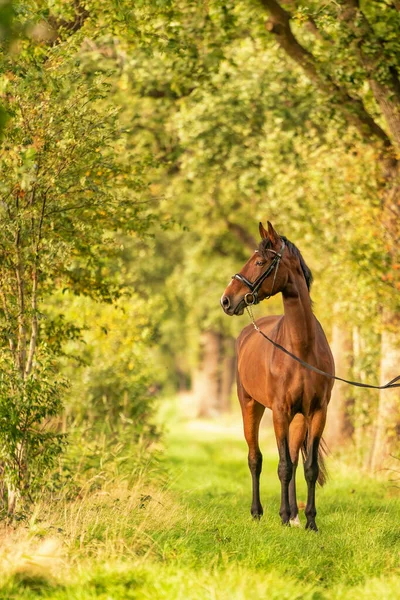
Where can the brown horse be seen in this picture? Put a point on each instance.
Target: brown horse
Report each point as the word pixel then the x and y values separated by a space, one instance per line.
pixel 266 377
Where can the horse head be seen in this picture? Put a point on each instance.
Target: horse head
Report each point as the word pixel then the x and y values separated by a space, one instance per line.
pixel 263 275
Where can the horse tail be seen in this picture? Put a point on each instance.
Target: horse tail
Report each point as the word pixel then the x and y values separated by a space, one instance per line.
pixel 322 452
pixel 323 471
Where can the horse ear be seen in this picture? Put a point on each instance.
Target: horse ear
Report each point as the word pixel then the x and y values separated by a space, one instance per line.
pixel 273 236
pixel 263 231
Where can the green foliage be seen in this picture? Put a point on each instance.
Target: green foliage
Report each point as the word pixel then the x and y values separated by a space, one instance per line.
pixel 115 378
pixel 6 21
pixel 104 453
pixel 61 171
pixel 255 141
pixel 7 33
pixel 69 182
pixel 29 446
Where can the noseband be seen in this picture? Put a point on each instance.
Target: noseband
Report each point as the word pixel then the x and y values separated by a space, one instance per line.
pixel 252 297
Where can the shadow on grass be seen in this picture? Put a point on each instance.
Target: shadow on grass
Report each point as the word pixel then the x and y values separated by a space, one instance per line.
pixel 28 585
pixel 106 583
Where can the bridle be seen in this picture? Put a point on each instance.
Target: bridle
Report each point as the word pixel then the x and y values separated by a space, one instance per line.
pixel 251 297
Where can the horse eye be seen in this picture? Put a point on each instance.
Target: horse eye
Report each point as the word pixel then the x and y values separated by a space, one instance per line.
pixel 260 263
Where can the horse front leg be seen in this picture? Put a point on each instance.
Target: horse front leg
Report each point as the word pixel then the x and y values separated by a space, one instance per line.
pixel 311 467
pixel 285 466
pixel 252 412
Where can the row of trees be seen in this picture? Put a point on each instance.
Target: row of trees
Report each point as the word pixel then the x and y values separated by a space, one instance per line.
pixel 291 111
pixel 355 64
pixel 141 147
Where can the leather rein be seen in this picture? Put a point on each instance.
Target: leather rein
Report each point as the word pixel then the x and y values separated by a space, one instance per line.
pixel 251 298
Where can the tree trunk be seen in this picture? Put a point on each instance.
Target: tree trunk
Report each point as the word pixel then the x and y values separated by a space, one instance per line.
pixel 387 429
pixel 339 427
pixel 370 50
pixel 227 375
pixel 12 498
pixel 352 108
pixel 205 383
pixel 362 425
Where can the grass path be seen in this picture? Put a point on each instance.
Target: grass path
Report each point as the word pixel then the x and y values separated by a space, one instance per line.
pixel 356 554
pixel 192 538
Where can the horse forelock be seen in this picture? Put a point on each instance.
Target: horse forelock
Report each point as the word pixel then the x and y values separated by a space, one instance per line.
pixel 294 251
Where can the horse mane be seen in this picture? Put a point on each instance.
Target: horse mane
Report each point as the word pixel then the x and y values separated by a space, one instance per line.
pixel 294 251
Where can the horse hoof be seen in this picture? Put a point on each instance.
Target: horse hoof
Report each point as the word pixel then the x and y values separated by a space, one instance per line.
pixel 257 512
pixel 312 527
pixel 295 522
pixel 256 516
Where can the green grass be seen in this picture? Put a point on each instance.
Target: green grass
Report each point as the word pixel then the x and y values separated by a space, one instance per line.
pixel 191 536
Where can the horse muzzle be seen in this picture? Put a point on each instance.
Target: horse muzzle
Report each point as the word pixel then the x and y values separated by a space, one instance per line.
pixel 232 308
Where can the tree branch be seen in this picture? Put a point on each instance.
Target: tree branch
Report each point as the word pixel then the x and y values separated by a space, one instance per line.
pixel 166 93
pixel 68 208
pixel 383 82
pixel 35 281
pixel 81 14
pixel 238 231
pixel 8 320
pixel 310 24
pixel 21 345
pixel 394 4
pixel 352 108
pixel 242 234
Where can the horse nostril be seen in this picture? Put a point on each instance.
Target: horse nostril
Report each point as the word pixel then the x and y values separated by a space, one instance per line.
pixel 225 302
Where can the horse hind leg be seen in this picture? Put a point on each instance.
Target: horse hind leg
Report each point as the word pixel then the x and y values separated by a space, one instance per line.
pixel 297 434
pixel 311 466
pixel 252 412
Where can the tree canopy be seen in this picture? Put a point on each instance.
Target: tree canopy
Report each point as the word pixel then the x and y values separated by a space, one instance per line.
pixel 141 144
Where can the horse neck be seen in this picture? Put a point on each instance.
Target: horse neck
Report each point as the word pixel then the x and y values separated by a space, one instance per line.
pixel 299 320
